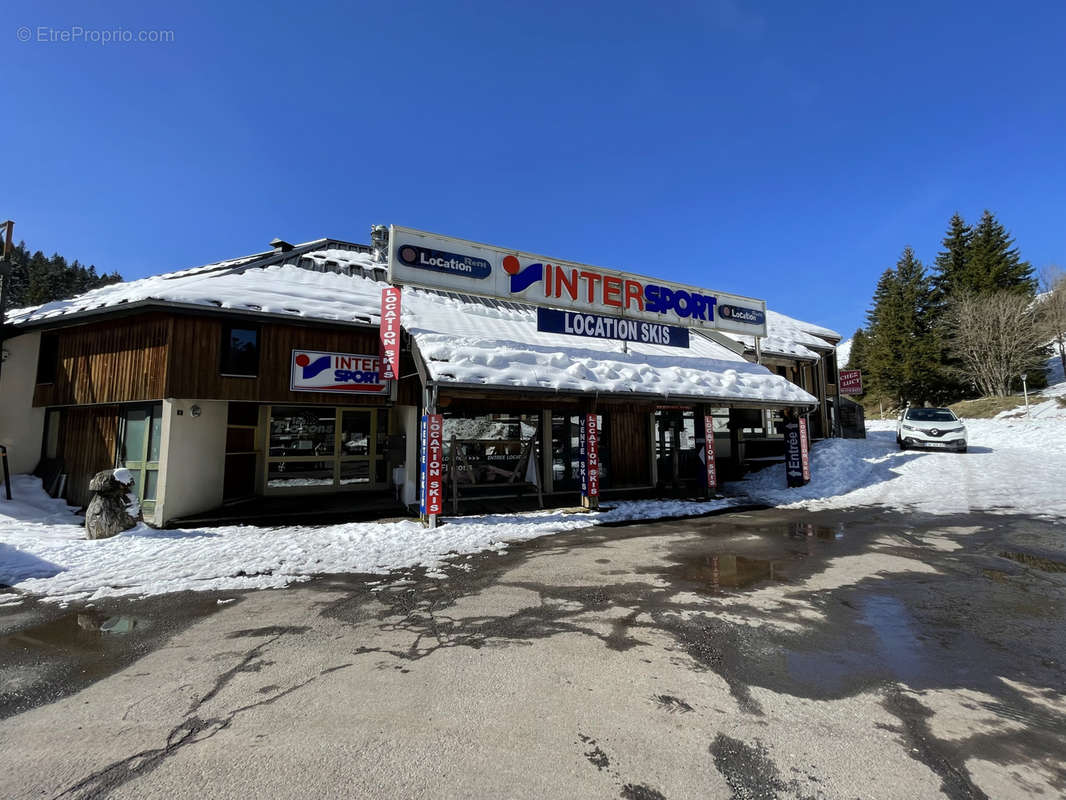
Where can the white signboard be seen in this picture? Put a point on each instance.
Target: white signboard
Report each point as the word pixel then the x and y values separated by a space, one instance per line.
pixel 345 373
pixel 431 261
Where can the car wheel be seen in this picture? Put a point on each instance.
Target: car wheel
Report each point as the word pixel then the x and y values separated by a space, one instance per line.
pixel 902 446
pixel 962 449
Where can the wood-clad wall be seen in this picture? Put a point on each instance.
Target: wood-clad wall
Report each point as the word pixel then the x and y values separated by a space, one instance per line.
pixel 628 430
pixel 196 352
pixel 86 445
pixel 109 362
pixel 155 355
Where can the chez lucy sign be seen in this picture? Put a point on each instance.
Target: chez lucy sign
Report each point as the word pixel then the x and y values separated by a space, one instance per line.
pixel 345 373
pixel 442 262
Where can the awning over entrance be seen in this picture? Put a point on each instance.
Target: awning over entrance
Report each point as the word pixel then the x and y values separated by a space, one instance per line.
pixel 487 344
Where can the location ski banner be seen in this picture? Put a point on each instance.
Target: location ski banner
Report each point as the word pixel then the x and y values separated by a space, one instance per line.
pixel 708 436
pixel 795 454
pixel 431 480
pixel 390 334
pixel 590 456
pixel 582 456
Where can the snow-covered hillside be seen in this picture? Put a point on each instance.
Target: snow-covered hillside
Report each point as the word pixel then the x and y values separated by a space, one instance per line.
pixel 844 353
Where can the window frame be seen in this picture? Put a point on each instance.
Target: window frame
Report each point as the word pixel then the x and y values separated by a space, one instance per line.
pixel 225 340
pixel 53 365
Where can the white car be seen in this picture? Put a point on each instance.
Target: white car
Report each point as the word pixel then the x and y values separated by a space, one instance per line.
pixel 936 428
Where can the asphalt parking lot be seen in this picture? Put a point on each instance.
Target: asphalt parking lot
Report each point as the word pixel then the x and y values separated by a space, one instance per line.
pixel 750 655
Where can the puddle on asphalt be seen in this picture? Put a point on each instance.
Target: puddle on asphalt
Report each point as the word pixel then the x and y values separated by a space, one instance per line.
pixel 723 570
pixel 80 629
pixel 716 573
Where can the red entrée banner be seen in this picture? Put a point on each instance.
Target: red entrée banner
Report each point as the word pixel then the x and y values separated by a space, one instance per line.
pixel 390 334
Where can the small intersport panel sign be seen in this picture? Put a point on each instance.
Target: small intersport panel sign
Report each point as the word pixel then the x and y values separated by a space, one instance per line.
pixel 346 373
pixel 573 323
pixel 432 261
pixel 850 381
pixel 431 480
pixel 390 334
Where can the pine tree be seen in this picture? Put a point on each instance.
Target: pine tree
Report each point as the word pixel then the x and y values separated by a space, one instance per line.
pixel 952 263
pixel 37 279
pixel 994 261
pixel 857 356
pixel 902 351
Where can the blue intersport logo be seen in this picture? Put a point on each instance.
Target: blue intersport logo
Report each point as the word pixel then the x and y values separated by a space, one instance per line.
pixel 522 279
pixel 312 368
pixel 441 261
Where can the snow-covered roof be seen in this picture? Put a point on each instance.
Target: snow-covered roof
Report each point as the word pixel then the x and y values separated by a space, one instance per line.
pixel 789 337
pixel 482 345
pixel 464 341
pixel 308 283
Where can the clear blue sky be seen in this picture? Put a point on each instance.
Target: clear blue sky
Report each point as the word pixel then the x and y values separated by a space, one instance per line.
pixel 778 149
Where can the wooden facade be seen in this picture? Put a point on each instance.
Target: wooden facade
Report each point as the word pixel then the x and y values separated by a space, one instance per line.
pixel 117 361
pixel 86 445
pixel 155 355
pixel 629 441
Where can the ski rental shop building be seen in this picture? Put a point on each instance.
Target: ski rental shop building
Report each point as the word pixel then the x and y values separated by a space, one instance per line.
pixel 260 381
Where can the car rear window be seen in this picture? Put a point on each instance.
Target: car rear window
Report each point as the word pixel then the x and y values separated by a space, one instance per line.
pixel 930 415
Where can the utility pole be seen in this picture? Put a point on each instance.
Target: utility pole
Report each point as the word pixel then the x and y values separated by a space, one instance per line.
pixel 5 278
pixel 1025 391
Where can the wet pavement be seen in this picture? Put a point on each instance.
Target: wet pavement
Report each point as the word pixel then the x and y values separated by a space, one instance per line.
pixel 755 654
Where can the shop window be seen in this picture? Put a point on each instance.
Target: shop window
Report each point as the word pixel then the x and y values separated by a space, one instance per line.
pixel 322 447
pixel 48 358
pixel 140 439
pixel 490 447
pixel 240 351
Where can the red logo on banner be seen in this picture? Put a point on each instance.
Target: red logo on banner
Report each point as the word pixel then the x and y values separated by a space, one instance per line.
pixel 804 450
pixel 390 334
pixel 708 434
pixel 850 381
pixel 592 455
pixel 433 464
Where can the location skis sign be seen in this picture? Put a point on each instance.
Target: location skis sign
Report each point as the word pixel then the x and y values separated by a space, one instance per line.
pixel 850 381
pixel 390 334
pixel 572 323
pixel 708 453
pixel 588 443
pixel 431 261
pixel 431 480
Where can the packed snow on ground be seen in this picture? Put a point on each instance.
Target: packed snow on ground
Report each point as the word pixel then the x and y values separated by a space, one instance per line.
pixel 43 549
pixel 1015 465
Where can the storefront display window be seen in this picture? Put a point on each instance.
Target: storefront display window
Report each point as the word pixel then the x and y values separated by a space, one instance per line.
pixel 325 448
pixel 490 447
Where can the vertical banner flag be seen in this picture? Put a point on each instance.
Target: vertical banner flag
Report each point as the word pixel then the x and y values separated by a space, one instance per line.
pixel 431 481
pixel 804 450
pixel 794 454
pixel 591 485
pixel 582 455
pixel 390 334
pixel 708 435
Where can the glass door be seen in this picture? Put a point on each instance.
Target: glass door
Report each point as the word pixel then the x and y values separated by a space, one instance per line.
pixel 316 448
pixel 142 431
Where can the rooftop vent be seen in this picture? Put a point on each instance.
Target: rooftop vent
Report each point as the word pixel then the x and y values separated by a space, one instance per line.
pixel 281 246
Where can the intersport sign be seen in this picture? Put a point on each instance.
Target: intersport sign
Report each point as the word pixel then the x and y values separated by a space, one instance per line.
pixel 431 261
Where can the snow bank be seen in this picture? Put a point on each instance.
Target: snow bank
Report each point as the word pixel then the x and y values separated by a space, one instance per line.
pixel 1013 466
pixel 43 549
